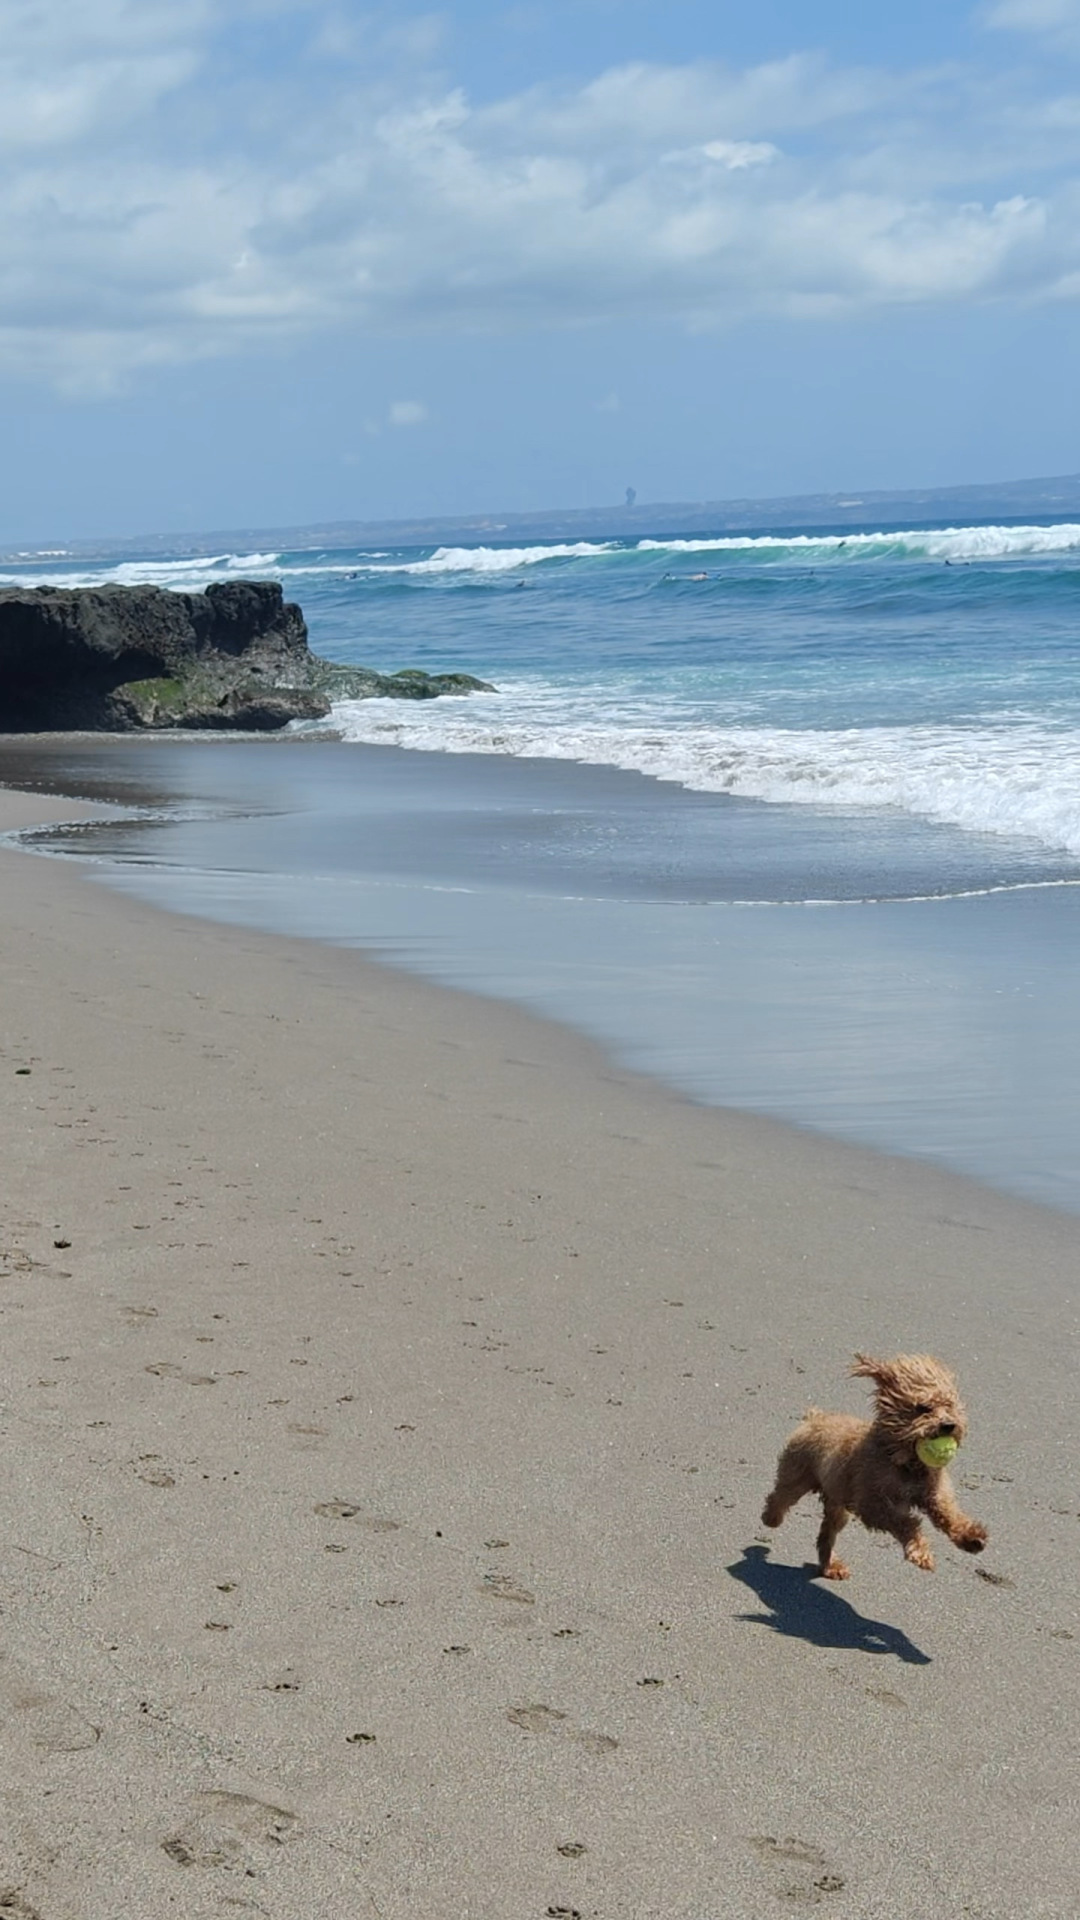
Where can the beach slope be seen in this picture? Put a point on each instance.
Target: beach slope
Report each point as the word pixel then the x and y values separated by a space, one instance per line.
pixel 389 1388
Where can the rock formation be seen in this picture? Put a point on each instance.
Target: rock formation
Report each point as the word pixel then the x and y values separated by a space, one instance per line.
pixel 124 658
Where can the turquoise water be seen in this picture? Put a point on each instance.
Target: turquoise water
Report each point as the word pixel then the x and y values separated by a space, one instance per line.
pixel 931 673
pixel 791 823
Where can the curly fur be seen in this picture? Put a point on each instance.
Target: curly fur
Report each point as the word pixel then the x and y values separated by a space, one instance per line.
pixel 870 1468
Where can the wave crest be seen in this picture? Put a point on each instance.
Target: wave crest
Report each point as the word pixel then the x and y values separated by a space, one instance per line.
pixel 1020 781
pixel 940 543
pixel 958 544
pixel 498 559
pixel 182 575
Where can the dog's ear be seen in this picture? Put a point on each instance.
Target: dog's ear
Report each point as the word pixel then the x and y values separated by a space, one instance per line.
pixel 866 1368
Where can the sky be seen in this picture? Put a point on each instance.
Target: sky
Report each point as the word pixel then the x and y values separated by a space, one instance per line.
pixel 270 262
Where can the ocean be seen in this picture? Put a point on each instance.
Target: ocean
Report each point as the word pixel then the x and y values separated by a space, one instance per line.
pixel 790 822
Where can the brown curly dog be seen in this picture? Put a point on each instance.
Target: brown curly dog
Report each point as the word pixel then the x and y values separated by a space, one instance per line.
pixel 871 1468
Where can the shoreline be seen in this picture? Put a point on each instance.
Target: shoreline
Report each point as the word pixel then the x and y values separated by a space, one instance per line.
pixel 433 1581
pixel 23 810
pixel 939 1027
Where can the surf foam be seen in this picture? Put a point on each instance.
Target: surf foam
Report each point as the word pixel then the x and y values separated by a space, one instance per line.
pixel 944 543
pixel 497 559
pixel 181 575
pixel 1017 780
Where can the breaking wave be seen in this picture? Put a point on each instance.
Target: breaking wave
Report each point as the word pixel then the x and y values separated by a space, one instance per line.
pixel 1020 780
pixel 182 575
pixel 955 544
pixel 952 544
pixel 945 543
pixel 497 559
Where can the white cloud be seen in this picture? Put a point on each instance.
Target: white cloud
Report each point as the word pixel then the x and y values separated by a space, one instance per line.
pixel 407 413
pixel 1034 16
pixel 739 154
pixel 68 72
pixel 1055 21
pixel 349 35
pixel 166 200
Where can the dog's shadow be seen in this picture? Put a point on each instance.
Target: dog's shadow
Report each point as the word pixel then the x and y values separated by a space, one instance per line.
pixel 805 1610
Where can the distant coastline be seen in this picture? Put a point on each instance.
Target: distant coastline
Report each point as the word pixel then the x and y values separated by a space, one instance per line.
pixel 1009 500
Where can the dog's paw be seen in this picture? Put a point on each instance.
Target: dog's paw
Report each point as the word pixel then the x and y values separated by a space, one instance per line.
pixel 974 1539
pixel 920 1556
pixel 836 1570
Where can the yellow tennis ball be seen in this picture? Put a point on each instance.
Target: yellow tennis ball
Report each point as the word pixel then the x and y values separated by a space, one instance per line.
pixel 936 1453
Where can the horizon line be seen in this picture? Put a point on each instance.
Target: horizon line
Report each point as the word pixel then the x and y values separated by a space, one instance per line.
pixel 734 509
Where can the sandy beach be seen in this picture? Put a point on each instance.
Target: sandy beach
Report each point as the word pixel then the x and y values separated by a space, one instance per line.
pixel 389 1390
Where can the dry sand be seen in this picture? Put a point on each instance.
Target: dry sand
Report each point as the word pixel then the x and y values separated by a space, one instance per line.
pixel 389 1390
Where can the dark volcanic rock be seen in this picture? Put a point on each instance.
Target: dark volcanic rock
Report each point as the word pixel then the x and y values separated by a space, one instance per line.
pixel 409 683
pixel 121 658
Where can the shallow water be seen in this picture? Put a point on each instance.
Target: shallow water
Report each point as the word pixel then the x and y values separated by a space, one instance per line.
pixel 938 1026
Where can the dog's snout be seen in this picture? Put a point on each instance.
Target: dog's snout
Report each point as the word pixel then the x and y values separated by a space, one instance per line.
pixel 947 1426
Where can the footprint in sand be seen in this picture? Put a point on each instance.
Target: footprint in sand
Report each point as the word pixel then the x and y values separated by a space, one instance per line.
pixel 994 1579
pixel 597 1742
pixel 168 1370
pixel 229 1830
pixel 148 1468
pixel 347 1510
pixel 502 1586
pixel 536 1719
pixel 886 1695
pixel 804 1871
pixel 48 1723
pixel 552 1720
pixel 287 1682
pixel 15 1260
pixel 13 1902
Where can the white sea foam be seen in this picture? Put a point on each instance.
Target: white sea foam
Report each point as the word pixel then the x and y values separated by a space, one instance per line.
pixel 948 543
pixel 944 543
pixel 203 571
pixel 497 559
pixel 459 560
pixel 182 575
pixel 1011 780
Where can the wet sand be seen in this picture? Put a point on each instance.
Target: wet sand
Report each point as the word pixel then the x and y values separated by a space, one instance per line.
pixel 940 1026
pixel 389 1390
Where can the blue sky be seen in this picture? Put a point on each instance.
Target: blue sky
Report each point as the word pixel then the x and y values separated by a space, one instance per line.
pixel 271 261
